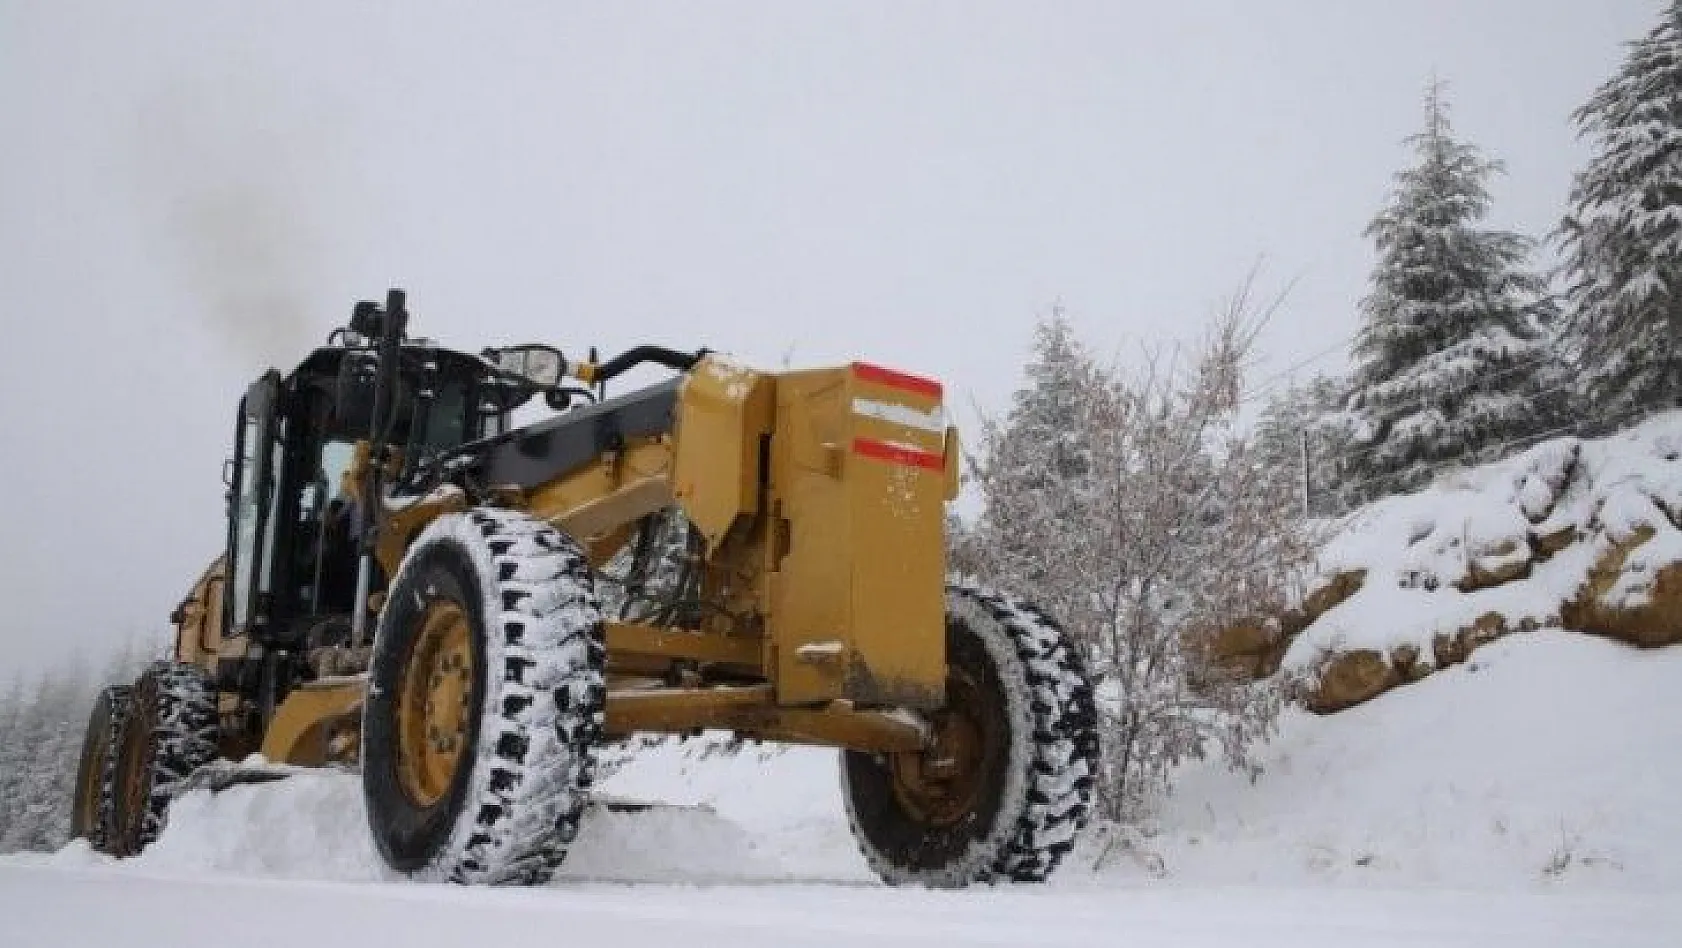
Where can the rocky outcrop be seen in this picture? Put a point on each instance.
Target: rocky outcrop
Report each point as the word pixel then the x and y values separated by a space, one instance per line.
pixel 1256 645
pixel 1350 678
pixel 1578 536
pixel 1452 648
pixel 1645 613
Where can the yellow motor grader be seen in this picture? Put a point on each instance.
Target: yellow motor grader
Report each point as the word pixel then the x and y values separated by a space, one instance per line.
pixel 410 590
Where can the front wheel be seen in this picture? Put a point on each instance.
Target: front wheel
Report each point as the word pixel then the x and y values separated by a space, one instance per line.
pixel 1007 781
pixel 486 701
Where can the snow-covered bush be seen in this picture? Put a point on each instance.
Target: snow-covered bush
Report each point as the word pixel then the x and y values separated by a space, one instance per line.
pixel 1129 505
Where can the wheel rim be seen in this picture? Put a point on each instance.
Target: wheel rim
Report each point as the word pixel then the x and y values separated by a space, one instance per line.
pixel 87 787
pixel 131 785
pixel 943 783
pixel 434 704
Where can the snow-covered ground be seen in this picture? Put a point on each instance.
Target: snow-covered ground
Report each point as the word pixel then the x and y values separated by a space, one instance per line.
pixel 1525 798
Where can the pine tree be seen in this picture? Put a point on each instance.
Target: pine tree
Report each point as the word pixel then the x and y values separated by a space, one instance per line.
pixel 1448 352
pixel 1038 461
pixel 40 796
pixel 1623 234
pixel 13 752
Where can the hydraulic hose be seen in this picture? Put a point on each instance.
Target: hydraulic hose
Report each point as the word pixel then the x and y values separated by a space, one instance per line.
pixel 630 358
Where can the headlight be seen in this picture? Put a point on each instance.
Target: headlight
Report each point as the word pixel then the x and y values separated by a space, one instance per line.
pixel 541 365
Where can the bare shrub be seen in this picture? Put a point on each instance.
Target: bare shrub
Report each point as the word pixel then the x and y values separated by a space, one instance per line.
pixel 1133 507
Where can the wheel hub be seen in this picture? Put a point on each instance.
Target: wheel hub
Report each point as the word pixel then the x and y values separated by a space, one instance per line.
pixel 433 708
pixel 942 783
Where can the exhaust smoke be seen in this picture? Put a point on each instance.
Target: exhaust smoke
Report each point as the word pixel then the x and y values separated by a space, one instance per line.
pixel 237 196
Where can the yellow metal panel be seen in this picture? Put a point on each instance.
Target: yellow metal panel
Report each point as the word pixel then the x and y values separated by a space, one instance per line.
pixel 749 711
pixel 859 473
pixel 723 412
pixel 302 724
pixel 615 489
pixel 810 590
pixel 627 638
pixel 896 491
pixel 198 621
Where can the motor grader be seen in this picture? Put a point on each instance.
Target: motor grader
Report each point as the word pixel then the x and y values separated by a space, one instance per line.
pixel 410 590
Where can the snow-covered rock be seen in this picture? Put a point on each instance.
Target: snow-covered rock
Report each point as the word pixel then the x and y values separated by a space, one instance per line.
pixel 1579 535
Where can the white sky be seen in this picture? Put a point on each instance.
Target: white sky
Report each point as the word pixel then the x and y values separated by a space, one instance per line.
pixel 189 192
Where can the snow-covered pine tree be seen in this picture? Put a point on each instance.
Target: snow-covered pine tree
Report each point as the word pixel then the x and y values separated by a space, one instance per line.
pixel 25 787
pixel 1623 233
pixel 1036 466
pixel 40 796
pixel 1448 351
pixel 12 750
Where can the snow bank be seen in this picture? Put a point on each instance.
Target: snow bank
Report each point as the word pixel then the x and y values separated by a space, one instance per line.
pixel 1571 534
pixel 1546 760
pixel 766 814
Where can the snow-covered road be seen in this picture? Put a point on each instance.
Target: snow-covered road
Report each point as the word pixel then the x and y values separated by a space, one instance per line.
pixel 1527 798
pixel 63 907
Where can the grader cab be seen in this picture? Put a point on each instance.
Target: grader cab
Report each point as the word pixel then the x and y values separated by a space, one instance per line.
pixel 413 589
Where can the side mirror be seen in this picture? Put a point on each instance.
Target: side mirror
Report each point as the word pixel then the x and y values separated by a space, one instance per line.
pixel 543 366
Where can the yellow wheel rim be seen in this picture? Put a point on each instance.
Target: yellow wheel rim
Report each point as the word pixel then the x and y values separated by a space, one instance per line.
pixel 131 781
pixel 433 708
pixel 88 784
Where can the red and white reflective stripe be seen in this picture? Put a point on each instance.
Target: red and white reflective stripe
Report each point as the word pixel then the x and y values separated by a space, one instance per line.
pixel 932 421
pixel 898 454
pixel 866 372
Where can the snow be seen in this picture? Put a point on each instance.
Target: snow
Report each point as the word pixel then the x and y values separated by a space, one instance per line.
pixel 148 912
pixel 1414 548
pixel 1525 798
pixel 1540 763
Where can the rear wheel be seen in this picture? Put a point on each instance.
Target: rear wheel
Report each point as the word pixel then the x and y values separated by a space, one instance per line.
pixel 169 732
pixel 91 810
pixel 1007 780
pixel 486 701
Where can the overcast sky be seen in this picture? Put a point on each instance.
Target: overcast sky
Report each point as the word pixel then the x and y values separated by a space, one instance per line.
pixel 190 192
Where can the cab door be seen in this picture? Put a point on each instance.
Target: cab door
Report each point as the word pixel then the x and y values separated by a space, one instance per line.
pixel 257 464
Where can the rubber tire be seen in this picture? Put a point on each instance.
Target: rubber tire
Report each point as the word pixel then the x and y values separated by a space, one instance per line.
pixel 91 807
pixel 170 732
pixel 539 653
pixel 1038 795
